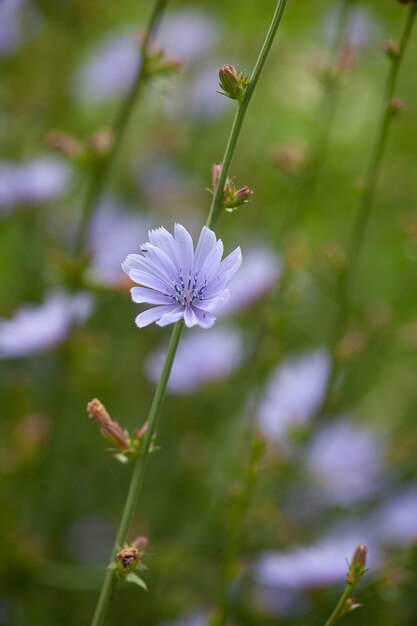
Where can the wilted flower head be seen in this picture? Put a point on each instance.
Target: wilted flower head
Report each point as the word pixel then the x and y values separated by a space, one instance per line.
pixel 293 394
pixel 32 182
pixel 113 232
pixel 36 328
pixel 222 351
pixel 182 283
pixel 345 462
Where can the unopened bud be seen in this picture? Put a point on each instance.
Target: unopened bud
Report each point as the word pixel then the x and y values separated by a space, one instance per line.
pixel 243 194
pixel 396 106
pixel 391 48
pixel 216 170
pixel 65 144
pixel 232 82
pixel 110 429
pixel 357 567
pixel 101 142
pixel 141 543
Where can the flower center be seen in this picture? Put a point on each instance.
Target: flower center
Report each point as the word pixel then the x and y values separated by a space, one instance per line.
pixel 188 287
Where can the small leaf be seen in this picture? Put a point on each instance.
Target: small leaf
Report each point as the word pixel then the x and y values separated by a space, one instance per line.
pixel 136 580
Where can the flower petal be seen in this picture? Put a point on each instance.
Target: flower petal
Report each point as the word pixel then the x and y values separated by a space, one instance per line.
pixel 147 280
pixel 230 265
pixel 205 245
pixel 212 263
pixel 185 247
pixel 204 319
pixel 162 239
pixel 152 315
pixel 160 260
pixel 141 295
pixel 171 318
pixel 189 317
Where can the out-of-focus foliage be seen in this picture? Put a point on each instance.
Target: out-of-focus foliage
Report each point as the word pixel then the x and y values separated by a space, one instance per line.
pixel 324 482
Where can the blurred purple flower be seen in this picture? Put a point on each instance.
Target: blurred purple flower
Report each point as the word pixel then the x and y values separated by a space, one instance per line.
pixel 113 232
pixel 161 182
pixel 36 328
pixel 32 182
pixel 183 283
pixel 13 17
pixel 360 29
pixel 109 70
pixel 197 619
pixel 293 394
pixel 318 565
pixel 395 522
pixel 188 35
pixel 197 94
pixel 345 463
pixel 259 273
pixel 222 351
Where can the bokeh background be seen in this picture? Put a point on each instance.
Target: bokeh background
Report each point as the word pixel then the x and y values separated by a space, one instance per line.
pixel 257 496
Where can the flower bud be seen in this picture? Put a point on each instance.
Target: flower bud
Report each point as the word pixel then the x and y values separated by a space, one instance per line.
pixel 141 543
pixel 357 566
pixel 243 194
pixel 101 142
pixel 232 82
pixel 396 106
pixel 216 170
pixel 65 143
pixel 110 430
pixel 391 48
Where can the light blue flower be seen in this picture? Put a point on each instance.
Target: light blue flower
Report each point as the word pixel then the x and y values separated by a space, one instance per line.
pixel 182 283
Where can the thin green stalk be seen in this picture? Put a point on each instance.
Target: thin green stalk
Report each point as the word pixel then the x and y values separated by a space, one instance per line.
pixel 346 280
pixel 216 205
pixel 103 166
pixel 341 606
pixel 138 476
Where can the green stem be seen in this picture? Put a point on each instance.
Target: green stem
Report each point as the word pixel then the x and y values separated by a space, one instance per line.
pixel 138 476
pixel 216 205
pixel 102 167
pixel 341 606
pixel 344 287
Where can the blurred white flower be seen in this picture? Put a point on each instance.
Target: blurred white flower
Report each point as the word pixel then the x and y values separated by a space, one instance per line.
pixel 345 463
pixel 188 35
pixel 36 328
pixel 201 358
pixel 293 394
pixel 32 182
pixel 258 274
pixel 395 522
pixel 113 232
pixel 109 70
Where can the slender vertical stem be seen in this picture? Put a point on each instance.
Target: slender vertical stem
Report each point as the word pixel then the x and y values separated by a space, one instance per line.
pixel 340 608
pixel 102 167
pixel 138 476
pixel 139 471
pixel 216 204
pixel 346 279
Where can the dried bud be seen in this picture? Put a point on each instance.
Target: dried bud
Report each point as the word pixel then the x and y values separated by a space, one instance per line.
pixel 291 158
pixel 65 144
pixel 391 48
pixel 128 558
pixel 357 566
pixel 110 430
pixel 396 106
pixel 232 82
pixel 101 142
